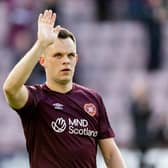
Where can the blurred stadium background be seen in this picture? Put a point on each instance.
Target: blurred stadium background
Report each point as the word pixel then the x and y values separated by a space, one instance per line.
pixel 119 54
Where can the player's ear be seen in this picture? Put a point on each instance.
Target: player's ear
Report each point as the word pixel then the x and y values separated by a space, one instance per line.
pixel 77 58
pixel 41 60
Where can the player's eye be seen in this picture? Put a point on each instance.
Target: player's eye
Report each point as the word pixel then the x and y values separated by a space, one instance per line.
pixel 57 55
pixel 71 55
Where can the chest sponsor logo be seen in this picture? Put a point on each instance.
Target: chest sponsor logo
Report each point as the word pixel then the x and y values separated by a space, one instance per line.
pixel 74 126
pixel 90 108
pixel 59 125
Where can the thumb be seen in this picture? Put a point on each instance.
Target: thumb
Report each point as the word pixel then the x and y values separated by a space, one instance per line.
pixel 57 29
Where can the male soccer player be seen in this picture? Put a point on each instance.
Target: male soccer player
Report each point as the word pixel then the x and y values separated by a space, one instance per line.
pixel 63 122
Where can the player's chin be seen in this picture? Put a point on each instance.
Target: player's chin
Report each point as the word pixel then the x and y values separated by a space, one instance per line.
pixel 65 81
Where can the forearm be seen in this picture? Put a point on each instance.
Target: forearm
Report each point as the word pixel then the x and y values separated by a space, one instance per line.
pixel 22 70
pixel 111 153
pixel 116 161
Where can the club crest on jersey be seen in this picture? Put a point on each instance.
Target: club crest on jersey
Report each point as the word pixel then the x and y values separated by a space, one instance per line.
pixel 90 108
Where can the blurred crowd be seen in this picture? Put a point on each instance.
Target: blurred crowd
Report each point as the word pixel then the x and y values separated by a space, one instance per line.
pixel 95 23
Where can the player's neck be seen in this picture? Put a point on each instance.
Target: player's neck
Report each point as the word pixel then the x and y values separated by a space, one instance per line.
pixel 60 87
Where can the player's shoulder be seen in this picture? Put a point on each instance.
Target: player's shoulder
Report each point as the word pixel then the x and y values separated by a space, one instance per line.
pixel 82 88
pixel 36 87
pixel 37 90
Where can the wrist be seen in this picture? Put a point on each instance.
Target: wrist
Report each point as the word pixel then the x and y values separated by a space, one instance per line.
pixel 38 48
pixel 40 45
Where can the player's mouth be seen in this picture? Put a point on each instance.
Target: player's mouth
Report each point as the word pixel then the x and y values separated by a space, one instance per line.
pixel 66 70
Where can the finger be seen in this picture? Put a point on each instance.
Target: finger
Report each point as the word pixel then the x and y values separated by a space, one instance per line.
pixel 45 16
pixel 48 16
pixel 52 20
pixel 45 13
pixel 50 13
pixel 40 17
pixel 57 29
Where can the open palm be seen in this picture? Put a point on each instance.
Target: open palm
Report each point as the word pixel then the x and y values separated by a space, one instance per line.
pixel 46 31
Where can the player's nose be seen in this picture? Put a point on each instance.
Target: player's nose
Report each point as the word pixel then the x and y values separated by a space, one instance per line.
pixel 66 60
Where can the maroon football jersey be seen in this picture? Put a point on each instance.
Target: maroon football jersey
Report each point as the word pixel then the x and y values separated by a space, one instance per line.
pixel 62 130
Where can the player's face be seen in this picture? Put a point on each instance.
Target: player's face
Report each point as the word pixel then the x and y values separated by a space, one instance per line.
pixel 60 61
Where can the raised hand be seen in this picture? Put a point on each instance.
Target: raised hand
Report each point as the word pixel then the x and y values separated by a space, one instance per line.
pixel 46 31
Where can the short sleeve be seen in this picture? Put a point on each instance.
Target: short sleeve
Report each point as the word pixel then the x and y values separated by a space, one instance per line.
pixel 105 130
pixel 27 111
